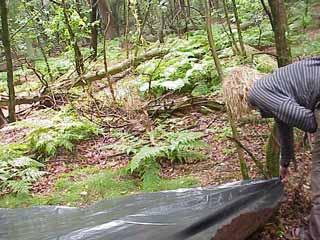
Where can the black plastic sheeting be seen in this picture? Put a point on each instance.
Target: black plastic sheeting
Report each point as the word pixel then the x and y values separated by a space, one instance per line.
pixel 231 211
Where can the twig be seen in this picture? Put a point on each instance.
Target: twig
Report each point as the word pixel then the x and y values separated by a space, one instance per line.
pixel 255 160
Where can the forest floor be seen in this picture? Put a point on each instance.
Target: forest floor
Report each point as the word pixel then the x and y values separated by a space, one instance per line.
pixel 220 166
pixel 67 180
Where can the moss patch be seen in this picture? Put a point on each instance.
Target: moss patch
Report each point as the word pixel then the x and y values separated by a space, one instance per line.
pixel 85 186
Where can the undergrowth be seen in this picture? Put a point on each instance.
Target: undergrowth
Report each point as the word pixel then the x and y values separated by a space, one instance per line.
pixel 85 186
pixel 20 162
pixel 160 145
pixel 17 171
pixel 187 65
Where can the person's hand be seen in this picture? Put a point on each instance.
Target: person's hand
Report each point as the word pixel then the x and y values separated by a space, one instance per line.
pixel 284 171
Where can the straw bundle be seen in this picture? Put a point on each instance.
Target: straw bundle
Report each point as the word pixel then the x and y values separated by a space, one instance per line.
pixel 236 86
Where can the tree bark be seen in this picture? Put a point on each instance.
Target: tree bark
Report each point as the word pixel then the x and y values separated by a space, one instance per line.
pixel 212 41
pixel 94 29
pixel 236 15
pixel 229 27
pixel 272 153
pixel 118 68
pixel 279 24
pixel 89 78
pixel 73 42
pixel 78 7
pixel 267 11
pixel 7 49
pixel 235 133
pixel 105 10
pixel 279 16
pixel 126 30
pixel 160 31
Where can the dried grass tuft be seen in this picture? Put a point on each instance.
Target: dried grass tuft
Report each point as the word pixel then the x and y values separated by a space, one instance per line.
pixel 236 86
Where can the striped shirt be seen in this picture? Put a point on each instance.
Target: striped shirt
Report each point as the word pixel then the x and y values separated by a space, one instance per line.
pixel 290 95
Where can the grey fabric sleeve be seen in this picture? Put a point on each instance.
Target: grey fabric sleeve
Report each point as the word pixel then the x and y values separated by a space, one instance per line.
pixel 283 108
pixel 295 115
pixel 286 139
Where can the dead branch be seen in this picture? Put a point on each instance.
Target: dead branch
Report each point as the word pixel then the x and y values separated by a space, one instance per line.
pixel 118 68
pixel 254 159
pixel 86 79
pixel 172 106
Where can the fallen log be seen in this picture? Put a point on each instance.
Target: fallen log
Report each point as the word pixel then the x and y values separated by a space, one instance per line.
pixel 88 78
pixel 20 100
pixel 118 68
pixel 45 100
pixel 173 106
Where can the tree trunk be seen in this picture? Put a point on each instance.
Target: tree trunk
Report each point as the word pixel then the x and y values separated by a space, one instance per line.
pixel 243 165
pixel 212 42
pixel 235 133
pixel 94 29
pixel 229 27
pixel 44 54
pixel 73 42
pixel 78 7
pixel 279 24
pixel 267 11
pixel 279 17
pixel 160 32
pixel 272 153
pixel 126 30
pixel 118 68
pixel 105 10
pixel 7 49
pixel 67 84
pixel 235 11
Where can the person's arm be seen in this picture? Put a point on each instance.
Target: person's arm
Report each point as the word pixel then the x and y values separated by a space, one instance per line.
pixel 298 116
pixel 286 139
pixel 284 109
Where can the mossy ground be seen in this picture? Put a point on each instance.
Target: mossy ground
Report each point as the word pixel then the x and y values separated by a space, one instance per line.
pixel 85 186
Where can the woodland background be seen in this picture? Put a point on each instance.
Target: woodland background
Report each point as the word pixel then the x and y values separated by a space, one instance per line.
pixel 106 98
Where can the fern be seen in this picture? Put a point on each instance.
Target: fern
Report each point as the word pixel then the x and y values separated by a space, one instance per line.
pixel 17 174
pixel 175 146
pixel 24 162
pixel 31 174
pixel 182 69
pixel 17 170
pixel 66 130
pixel 145 154
pixel 18 186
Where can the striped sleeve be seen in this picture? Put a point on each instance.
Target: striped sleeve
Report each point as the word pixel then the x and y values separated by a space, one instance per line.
pixel 283 108
pixel 296 116
pixel 286 139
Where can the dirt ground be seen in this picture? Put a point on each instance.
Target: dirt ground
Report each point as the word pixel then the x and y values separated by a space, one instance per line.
pixel 220 166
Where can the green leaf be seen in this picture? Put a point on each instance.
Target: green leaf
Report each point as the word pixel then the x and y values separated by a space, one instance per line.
pixel 18 186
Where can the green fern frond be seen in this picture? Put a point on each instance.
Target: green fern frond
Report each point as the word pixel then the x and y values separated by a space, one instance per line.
pixel 31 174
pixel 145 153
pixel 18 186
pixel 16 175
pixel 24 162
pixel 67 130
pixel 182 147
pixel 190 156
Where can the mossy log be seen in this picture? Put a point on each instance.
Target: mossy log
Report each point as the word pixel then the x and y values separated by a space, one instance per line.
pixel 115 69
pixel 88 78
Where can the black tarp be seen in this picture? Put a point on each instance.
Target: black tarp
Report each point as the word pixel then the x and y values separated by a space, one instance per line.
pixel 231 211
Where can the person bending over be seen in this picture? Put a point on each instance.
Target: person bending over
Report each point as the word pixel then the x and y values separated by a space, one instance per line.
pixel 291 95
